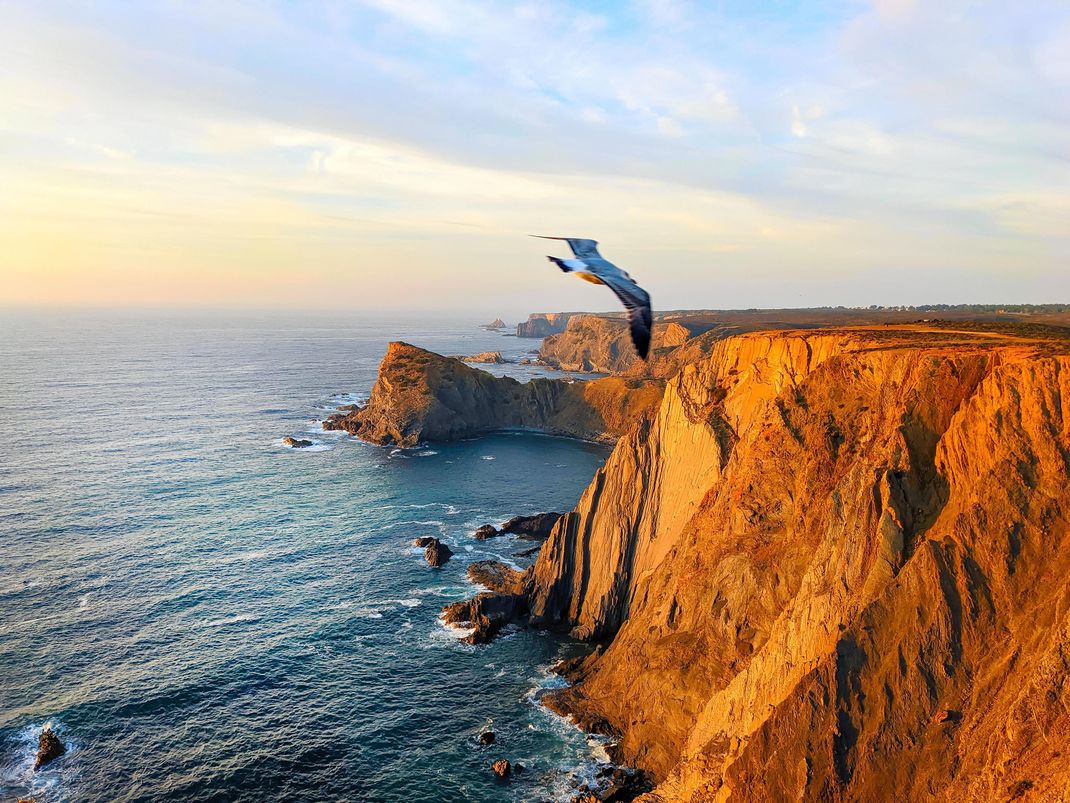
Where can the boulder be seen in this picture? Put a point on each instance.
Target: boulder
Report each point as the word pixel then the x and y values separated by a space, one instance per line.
pixel 49 748
pixel 424 541
pixel 437 553
pixel 501 768
pixel 486 531
pixel 487 737
pixel 296 443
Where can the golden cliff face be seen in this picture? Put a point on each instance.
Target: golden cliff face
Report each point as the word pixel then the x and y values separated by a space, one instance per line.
pixel 834 566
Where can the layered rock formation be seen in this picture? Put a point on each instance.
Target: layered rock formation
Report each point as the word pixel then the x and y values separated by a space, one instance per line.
pixel 541 324
pixel 833 566
pixel 603 345
pixel 423 396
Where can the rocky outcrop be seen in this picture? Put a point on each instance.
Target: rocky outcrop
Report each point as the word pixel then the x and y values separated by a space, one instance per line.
pixel 485 532
pixel 532 528
pixel 487 613
pixel 487 358
pixel 541 324
pixel 436 553
pixel 603 345
pixel 49 748
pixel 423 396
pixel 502 768
pixel 832 565
pixel 296 443
pixel 497 323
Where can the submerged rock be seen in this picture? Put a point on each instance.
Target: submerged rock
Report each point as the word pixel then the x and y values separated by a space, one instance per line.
pixel 296 443
pixel 437 554
pixel 501 768
pixel 49 748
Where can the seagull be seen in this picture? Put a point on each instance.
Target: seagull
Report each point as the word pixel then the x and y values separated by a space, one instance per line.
pixel 591 266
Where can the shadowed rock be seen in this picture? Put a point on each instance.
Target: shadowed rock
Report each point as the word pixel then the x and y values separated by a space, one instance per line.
pixel 437 554
pixel 49 748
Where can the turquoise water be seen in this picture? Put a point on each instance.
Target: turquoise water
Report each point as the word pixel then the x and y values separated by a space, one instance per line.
pixel 206 615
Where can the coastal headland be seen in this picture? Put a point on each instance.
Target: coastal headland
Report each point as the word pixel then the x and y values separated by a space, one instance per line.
pixel 828 557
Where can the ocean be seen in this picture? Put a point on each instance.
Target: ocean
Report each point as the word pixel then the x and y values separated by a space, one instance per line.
pixel 205 615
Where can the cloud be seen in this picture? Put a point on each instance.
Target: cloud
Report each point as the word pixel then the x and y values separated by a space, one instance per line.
pixel 785 146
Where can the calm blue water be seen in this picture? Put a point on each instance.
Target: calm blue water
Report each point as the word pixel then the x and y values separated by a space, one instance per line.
pixel 206 615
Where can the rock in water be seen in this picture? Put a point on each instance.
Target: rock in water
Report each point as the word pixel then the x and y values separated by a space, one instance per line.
pixel 49 748
pixel 296 443
pixel 487 737
pixel 485 532
pixel 424 540
pixel 501 768
pixel 488 357
pixel 437 553
pixel 531 527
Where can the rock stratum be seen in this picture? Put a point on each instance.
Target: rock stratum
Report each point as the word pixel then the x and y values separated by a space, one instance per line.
pixel 825 565
pixel 423 396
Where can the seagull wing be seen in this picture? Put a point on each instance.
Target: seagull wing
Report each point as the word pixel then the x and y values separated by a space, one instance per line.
pixel 637 301
pixel 581 248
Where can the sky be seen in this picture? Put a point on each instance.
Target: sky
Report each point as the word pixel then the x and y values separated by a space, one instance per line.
pixel 394 153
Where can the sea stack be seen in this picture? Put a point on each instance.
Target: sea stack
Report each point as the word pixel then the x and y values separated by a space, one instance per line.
pixel 49 748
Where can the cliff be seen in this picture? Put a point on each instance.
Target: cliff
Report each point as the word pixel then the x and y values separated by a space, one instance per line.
pixel 832 566
pixel 603 345
pixel 541 324
pixel 422 396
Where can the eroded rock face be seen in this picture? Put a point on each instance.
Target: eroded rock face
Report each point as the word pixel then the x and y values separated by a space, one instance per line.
pixel 832 565
pixel 502 768
pixel 49 748
pixel 423 396
pixel 604 345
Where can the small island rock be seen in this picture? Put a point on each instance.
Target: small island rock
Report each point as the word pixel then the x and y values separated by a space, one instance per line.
pixel 49 748
pixel 486 531
pixel 489 357
pixel 437 553
pixel 296 443
pixel 487 737
pixel 501 768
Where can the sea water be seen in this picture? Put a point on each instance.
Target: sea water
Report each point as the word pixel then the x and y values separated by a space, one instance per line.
pixel 206 615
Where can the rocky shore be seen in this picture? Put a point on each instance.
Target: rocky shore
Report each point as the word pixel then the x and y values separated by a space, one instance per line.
pixel 823 565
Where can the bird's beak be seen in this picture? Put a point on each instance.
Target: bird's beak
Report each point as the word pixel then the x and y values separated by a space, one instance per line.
pixel 544 237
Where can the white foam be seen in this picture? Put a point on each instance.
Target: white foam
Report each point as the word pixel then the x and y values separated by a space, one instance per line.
pixel 409 603
pixel 488 457
pixel 231 620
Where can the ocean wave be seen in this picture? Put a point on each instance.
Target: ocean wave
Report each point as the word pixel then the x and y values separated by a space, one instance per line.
pixel 231 620
pixel 488 457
